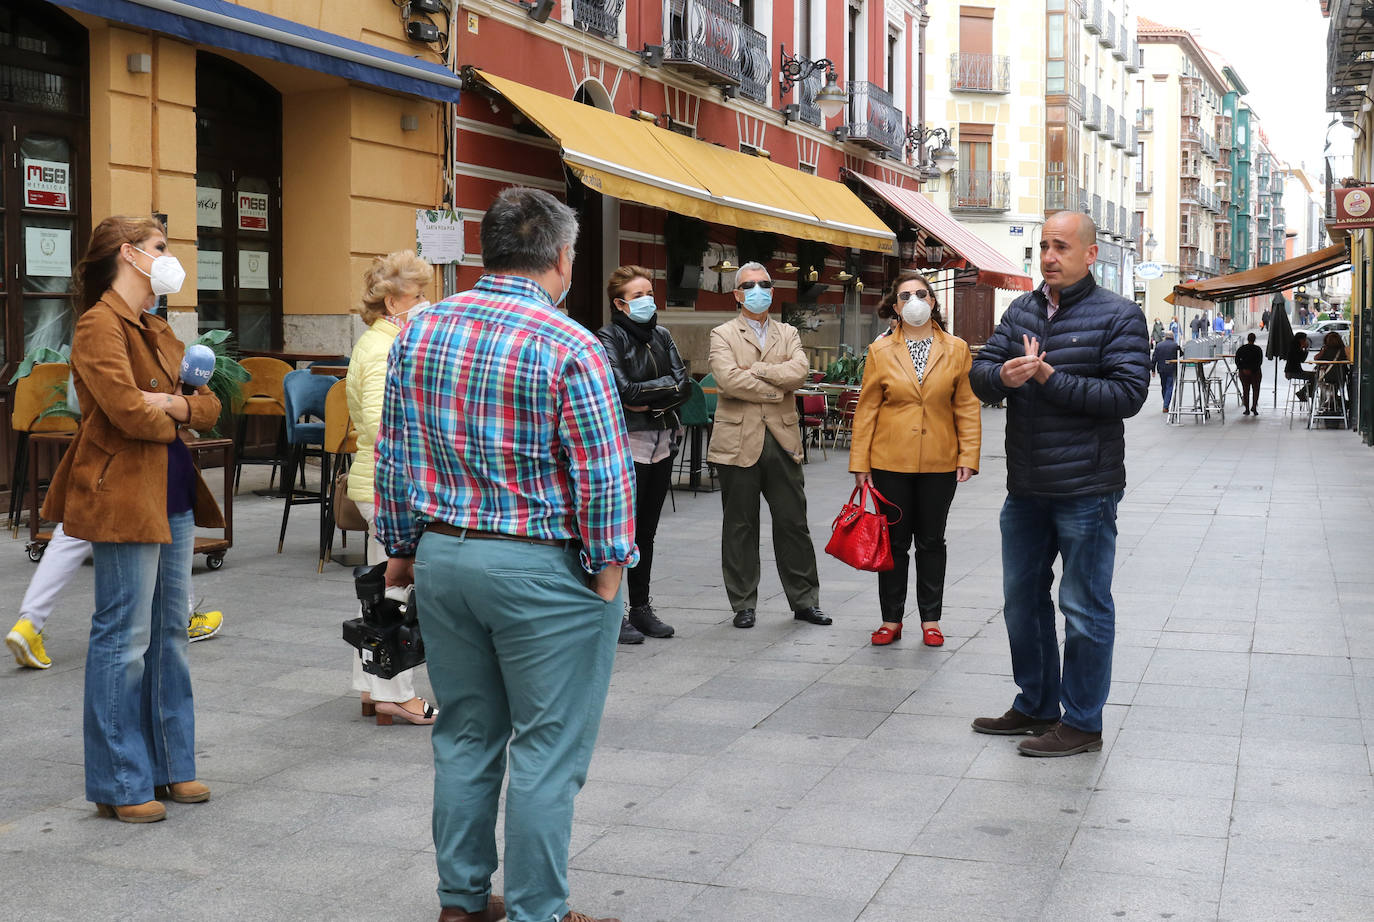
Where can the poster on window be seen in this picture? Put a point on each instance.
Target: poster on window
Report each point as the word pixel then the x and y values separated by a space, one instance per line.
pixel 48 252
pixel 209 270
pixel 252 269
pixel 253 211
pixel 208 202
pixel 438 237
pixel 47 184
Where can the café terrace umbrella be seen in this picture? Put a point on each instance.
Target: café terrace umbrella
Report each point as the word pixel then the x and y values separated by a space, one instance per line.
pixel 1280 337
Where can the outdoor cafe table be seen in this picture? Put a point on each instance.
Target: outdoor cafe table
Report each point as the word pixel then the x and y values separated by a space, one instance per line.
pixel 1320 366
pixel 1204 401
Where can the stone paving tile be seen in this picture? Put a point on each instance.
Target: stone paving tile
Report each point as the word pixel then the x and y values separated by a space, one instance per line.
pixel 1085 894
pixel 1200 860
pixel 828 872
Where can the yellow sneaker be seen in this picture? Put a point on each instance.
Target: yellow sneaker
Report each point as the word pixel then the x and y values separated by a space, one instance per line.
pixel 204 625
pixel 27 645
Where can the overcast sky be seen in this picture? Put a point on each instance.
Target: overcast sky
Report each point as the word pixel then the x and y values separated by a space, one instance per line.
pixel 1278 47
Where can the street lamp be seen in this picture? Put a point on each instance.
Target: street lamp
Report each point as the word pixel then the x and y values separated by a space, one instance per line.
pixel 830 99
pixel 919 138
pixel 1150 244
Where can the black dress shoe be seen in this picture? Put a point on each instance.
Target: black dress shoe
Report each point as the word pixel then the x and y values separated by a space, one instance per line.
pixel 813 615
pixel 744 618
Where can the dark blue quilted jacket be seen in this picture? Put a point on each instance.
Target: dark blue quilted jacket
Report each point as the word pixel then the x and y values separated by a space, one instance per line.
pixel 1066 437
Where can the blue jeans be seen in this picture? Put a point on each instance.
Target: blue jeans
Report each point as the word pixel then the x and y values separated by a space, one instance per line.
pixel 519 652
pixel 139 724
pixel 1082 531
pixel 1166 385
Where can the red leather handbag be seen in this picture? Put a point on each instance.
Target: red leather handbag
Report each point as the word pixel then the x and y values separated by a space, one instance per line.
pixel 859 537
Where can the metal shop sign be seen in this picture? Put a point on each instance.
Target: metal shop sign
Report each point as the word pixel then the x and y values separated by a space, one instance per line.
pixel 1354 207
pixel 47 184
pixel 253 211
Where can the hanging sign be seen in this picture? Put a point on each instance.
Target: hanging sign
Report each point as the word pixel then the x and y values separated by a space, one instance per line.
pixel 1354 207
pixel 438 237
pixel 48 252
pixel 208 203
pixel 253 211
pixel 47 184
pixel 209 270
pixel 252 269
pixel 1149 271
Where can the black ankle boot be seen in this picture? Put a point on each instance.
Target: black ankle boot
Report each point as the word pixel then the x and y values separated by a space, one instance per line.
pixel 628 632
pixel 643 619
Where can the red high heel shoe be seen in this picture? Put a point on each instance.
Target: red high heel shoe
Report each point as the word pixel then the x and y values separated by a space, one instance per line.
pixel 933 637
pixel 885 635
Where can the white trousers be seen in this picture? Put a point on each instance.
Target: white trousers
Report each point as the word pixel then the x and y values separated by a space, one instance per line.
pixel 402 687
pixel 61 559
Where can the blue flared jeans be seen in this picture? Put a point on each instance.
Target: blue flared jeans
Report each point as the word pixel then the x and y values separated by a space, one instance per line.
pixel 1081 531
pixel 139 723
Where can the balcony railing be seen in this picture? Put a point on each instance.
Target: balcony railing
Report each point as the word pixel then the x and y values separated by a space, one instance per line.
pixel 1133 144
pixel 1209 147
pixel 979 73
pixel 599 16
pixel 1092 20
pixel 1133 63
pixel 1108 223
pixel 702 38
pixel 1092 112
pixel 1122 47
pixel 982 190
pixel 1121 138
pixel 874 122
pixel 1123 228
pixel 807 90
pixel 1097 210
pixel 755 67
pixel 1108 33
pixel 1108 129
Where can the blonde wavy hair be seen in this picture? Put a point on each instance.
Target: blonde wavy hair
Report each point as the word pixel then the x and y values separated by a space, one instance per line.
pixel 391 275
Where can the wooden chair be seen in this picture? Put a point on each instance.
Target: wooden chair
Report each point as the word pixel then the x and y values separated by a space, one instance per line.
pixel 35 393
pixel 340 444
pixel 263 395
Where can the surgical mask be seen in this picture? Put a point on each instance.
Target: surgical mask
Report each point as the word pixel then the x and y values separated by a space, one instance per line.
pixel 642 308
pixel 167 274
pixel 405 315
pixel 915 312
pixel 757 300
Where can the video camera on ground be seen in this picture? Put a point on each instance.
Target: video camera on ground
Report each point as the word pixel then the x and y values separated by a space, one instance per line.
pixel 387 636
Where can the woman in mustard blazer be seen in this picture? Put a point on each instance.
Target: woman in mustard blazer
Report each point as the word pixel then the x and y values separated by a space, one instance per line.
pixel 917 432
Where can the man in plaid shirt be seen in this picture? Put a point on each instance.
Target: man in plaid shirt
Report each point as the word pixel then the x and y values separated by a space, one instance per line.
pixel 505 489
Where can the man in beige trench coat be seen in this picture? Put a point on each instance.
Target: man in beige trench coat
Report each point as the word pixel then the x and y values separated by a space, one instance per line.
pixel 756 447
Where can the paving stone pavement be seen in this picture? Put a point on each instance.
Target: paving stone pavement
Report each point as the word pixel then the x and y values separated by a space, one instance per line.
pixel 795 772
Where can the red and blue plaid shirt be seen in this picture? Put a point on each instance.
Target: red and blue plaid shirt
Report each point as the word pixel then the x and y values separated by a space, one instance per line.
pixel 500 415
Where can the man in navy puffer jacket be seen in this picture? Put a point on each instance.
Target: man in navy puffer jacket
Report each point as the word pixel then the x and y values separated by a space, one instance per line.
pixel 1071 362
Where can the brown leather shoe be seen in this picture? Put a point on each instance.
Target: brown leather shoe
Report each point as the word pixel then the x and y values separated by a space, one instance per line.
pixel 496 910
pixel 1012 723
pixel 579 917
pixel 150 812
pixel 1062 740
pixel 183 792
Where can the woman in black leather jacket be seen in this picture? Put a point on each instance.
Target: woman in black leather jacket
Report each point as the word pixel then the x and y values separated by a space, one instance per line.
pixel 653 383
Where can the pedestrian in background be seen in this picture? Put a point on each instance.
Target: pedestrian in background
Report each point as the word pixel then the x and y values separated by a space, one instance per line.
pixel 652 381
pixel 756 447
pixel 393 294
pixel 128 484
pixel 916 434
pixel 1197 326
pixel 505 492
pixel 1175 328
pixel 1250 371
pixel 1165 353
pixel 1066 472
pixel 1157 331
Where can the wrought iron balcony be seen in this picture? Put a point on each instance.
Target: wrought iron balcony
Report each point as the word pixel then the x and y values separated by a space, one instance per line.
pixel 1108 223
pixel 979 73
pixel 1108 33
pixel 1122 48
pixel 755 66
pixel 1133 62
pixel 599 16
pixel 981 190
pixel 1092 113
pixel 1209 147
pixel 1108 129
pixel 874 122
pixel 1122 226
pixel 1092 16
pixel 1097 210
pixel 702 38
pixel 1121 139
pixel 1133 143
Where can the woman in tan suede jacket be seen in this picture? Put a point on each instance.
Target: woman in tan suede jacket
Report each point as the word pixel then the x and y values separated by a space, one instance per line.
pixel 128 485
pixel 917 432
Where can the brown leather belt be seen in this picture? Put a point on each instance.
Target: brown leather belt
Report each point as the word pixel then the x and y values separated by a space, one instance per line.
pixel 444 528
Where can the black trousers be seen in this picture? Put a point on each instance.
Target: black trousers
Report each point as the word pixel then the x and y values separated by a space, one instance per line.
pixel 651 488
pixel 924 503
pixel 1250 379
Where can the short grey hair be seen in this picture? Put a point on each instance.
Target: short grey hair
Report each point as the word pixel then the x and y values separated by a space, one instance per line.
pixel 523 231
pixel 753 266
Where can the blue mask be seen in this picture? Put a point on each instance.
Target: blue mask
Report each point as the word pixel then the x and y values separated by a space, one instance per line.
pixel 642 309
pixel 757 300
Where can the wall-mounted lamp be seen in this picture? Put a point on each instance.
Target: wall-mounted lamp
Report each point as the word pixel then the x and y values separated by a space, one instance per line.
pixel 843 277
pixel 830 98
pixel 140 63
pixel 790 112
pixel 410 123
pixel 652 55
pixel 644 116
pixel 728 91
pixel 724 266
pixel 859 287
pixel 814 275
pixel 841 133
pixel 942 159
pixel 787 268
pixel 538 10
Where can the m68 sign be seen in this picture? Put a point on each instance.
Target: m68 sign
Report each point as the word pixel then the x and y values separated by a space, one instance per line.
pixel 47 184
pixel 252 211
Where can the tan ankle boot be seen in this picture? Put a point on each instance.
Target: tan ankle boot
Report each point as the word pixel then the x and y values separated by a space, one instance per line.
pixel 150 812
pixel 183 792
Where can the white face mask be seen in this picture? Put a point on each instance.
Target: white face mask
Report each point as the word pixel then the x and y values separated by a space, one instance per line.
pixel 915 313
pixel 167 274
pixel 406 316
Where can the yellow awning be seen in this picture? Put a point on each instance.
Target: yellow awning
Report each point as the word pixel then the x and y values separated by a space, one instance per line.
pixel 639 162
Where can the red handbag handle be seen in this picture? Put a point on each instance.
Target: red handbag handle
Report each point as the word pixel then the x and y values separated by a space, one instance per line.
pixel 868 487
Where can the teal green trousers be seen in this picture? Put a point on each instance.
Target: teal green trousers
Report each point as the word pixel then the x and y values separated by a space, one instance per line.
pixel 519 651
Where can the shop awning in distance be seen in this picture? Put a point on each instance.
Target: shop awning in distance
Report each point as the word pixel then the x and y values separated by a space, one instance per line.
pixel 237 28
pixel 639 162
pixel 994 269
pixel 1262 279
